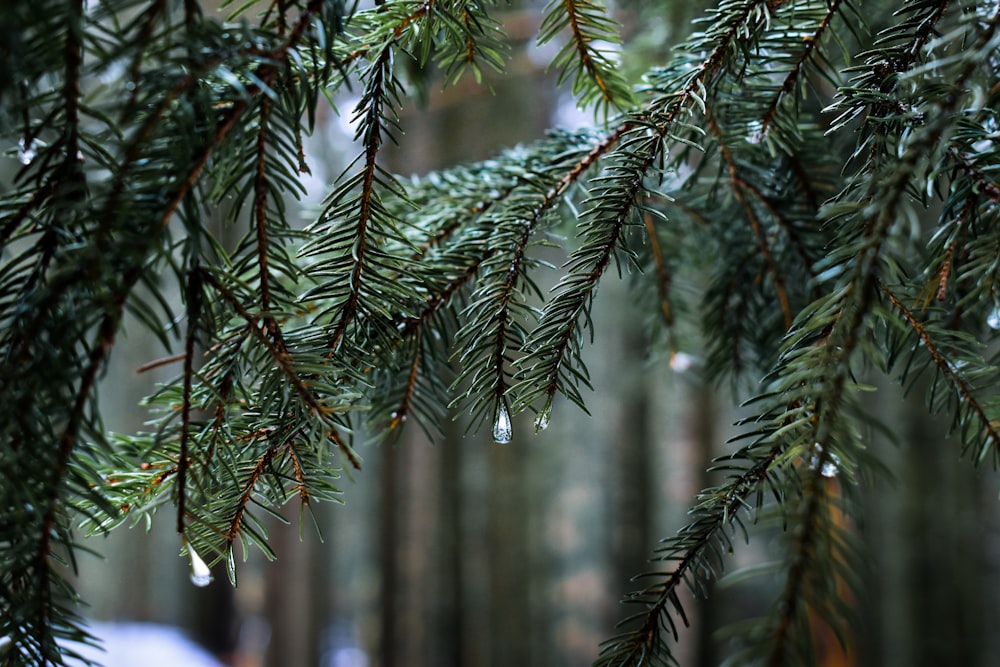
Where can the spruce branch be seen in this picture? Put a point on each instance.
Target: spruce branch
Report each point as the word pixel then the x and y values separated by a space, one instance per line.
pixel 370 110
pixel 985 437
pixel 402 412
pixel 494 330
pixel 830 361
pixel 596 75
pixel 872 96
pixel 663 275
pixel 552 361
pixel 40 577
pixel 838 325
pixel 410 295
pixel 982 179
pixel 811 570
pixel 193 297
pixel 812 53
pixel 696 554
pixel 284 362
pixel 740 189
pixel 260 207
pixel 260 466
pixel 524 200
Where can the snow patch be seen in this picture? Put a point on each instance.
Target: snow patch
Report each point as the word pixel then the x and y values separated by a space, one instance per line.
pixel 144 645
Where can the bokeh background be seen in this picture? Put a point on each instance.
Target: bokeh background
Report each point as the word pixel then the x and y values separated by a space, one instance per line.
pixel 466 553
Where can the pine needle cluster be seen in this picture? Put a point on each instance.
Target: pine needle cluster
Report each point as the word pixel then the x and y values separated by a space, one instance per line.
pixel 830 174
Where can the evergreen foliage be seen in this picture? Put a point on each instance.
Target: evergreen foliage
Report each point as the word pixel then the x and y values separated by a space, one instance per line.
pixel 791 152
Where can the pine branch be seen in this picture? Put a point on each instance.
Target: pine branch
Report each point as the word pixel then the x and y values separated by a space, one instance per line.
pixel 260 206
pixel 871 98
pixel 811 54
pixel 372 108
pixel 193 298
pixel 527 195
pixel 263 462
pixel 494 330
pixel 696 553
pixel 976 175
pixel 552 363
pixel 283 361
pixel 596 76
pixel 740 188
pixel 948 369
pixel 830 362
pixel 400 279
pixel 810 561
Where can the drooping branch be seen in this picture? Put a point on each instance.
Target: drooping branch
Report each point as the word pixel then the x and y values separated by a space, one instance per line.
pixel 260 208
pixel 791 81
pixel 284 362
pixel 372 110
pixel 739 188
pixel 551 344
pixel 193 299
pixel 690 551
pixel 262 464
pixel 806 559
pixel 595 76
pixel 965 392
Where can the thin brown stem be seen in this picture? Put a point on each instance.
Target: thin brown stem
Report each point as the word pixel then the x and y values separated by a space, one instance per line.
pixel 399 416
pixel 260 205
pixel 382 71
pixel 708 526
pixel 194 296
pixel 791 79
pixel 946 368
pixel 263 462
pixel 283 360
pixel 739 188
pixel 583 43
pixel 662 273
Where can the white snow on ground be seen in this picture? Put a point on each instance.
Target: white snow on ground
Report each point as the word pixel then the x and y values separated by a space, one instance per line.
pixel 145 645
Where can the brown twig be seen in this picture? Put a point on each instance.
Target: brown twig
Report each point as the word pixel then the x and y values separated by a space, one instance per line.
pixel 283 360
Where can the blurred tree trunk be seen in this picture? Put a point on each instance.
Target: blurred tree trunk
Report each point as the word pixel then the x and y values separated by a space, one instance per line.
pixel 942 535
pixel 389 567
pixel 705 430
pixel 450 624
pixel 510 578
pixel 933 533
pixel 632 496
pixel 288 593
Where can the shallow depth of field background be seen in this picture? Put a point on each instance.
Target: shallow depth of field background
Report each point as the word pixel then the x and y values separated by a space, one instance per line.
pixel 467 553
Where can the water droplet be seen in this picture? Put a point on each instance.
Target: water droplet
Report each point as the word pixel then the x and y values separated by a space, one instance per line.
pixel 200 574
pixel 502 429
pixel 26 151
pixel 542 420
pixel 993 319
pixel 680 362
pixel 755 132
pixel 830 467
pixel 231 566
pixel 5 641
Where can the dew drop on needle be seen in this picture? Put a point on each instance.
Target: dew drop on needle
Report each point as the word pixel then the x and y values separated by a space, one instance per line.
pixel 502 429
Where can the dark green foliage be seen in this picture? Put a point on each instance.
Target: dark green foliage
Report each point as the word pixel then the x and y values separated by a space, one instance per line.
pixel 826 187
